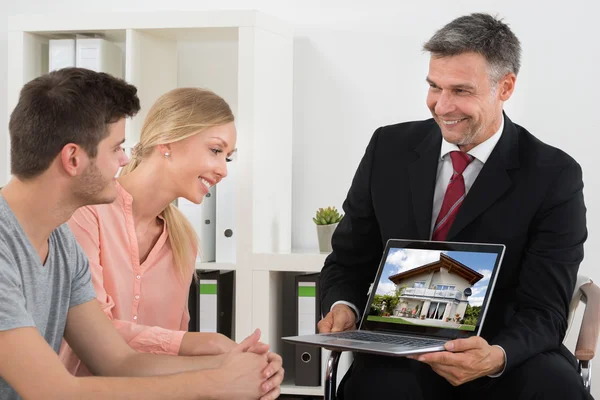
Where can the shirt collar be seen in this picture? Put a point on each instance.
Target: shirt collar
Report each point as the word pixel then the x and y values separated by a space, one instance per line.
pixel 481 152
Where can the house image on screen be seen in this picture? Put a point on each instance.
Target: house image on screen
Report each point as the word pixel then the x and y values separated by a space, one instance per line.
pixel 435 291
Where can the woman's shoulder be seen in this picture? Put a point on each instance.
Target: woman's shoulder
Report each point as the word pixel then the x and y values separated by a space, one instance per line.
pixel 99 214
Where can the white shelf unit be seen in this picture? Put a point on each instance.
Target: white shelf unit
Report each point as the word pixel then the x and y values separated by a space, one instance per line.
pixel 273 308
pixel 247 58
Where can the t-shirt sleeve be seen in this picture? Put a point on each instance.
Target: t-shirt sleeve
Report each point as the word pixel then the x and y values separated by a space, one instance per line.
pixel 82 289
pixel 13 311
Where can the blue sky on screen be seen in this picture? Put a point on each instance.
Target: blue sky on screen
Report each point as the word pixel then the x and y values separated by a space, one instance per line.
pixel 401 260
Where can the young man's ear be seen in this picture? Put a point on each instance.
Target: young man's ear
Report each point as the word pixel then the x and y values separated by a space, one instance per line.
pixel 73 159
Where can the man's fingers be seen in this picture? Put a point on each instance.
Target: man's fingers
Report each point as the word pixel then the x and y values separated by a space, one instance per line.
pixel 275 364
pixel 274 381
pixel 459 345
pixel 325 325
pixel 271 386
pixel 248 342
pixel 441 357
pixel 259 348
pixel 272 395
pixel 340 320
pixel 275 358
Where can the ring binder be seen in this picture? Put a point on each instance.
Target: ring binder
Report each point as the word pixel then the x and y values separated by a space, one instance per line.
pixel 307 358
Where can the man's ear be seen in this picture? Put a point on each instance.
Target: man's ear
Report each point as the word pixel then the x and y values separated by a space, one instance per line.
pixel 507 86
pixel 73 159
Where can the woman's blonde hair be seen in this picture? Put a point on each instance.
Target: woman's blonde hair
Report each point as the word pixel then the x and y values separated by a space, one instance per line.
pixel 175 116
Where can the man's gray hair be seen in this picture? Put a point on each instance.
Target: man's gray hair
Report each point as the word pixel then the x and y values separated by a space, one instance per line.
pixel 482 34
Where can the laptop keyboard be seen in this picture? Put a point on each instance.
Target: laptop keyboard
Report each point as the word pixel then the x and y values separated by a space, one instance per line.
pixel 391 339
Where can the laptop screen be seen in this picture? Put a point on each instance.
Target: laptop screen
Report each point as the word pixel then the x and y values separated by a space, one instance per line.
pixel 438 289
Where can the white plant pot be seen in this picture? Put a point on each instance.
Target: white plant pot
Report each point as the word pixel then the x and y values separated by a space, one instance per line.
pixel 324 234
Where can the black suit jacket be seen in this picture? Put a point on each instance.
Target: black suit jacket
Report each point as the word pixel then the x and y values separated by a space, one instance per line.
pixel 528 196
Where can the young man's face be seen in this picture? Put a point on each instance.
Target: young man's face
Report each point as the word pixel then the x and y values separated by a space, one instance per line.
pixel 97 184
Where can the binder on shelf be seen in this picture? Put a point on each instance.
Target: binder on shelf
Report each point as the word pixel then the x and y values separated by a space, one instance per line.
pixel 194 306
pixel 225 216
pixel 308 311
pixel 61 54
pixel 211 303
pixel 99 55
pixel 203 219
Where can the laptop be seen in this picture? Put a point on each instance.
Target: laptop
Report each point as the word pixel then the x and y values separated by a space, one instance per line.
pixel 424 294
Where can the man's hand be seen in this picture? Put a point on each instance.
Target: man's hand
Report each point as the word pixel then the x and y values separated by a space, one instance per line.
pixel 241 374
pixel 465 360
pixel 207 343
pixel 272 374
pixel 247 375
pixel 340 318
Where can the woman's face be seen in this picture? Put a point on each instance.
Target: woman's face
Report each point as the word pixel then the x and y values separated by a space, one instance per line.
pixel 200 161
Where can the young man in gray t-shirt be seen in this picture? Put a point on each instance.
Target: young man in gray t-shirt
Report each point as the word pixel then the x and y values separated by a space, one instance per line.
pixel 66 136
pixel 36 294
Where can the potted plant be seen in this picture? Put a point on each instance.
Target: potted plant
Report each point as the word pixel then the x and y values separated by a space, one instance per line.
pixel 327 220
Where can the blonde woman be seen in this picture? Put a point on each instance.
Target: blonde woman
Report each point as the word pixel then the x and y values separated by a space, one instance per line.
pixel 142 250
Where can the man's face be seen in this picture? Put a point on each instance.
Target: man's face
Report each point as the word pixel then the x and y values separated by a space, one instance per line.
pixel 462 100
pixel 97 184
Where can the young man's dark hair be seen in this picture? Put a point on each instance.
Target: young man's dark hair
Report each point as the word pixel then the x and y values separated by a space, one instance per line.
pixel 70 105
pixel 67 133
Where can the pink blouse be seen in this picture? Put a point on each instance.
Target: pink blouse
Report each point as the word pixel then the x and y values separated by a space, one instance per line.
pixel 148 302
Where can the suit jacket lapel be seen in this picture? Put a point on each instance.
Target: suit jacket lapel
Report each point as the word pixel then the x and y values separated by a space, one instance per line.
pixel 423 173
pixel 492 181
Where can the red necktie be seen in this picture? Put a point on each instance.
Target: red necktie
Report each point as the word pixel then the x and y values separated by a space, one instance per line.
pixel 455 194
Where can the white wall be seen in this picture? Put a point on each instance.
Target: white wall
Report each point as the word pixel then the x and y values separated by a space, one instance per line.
pixel 357 68
pixel 3 94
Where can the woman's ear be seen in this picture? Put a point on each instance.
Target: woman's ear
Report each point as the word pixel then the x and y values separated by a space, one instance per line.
pixel 164 149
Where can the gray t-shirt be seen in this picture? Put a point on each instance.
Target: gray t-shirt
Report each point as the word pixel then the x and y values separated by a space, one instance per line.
pixel 36 295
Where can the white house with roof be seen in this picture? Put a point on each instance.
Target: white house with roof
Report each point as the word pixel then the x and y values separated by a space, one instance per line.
pixel 435 291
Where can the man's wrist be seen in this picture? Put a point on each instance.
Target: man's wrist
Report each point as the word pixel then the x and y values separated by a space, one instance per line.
pixel 351 306
pixel 498 358
pixel 216 388
pixel 204 343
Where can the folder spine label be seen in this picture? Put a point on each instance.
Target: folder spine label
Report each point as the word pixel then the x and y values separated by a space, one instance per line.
pixel 306 307
pixel 208 305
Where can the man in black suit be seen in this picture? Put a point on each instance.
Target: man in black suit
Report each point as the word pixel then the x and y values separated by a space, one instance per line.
pixel 469 174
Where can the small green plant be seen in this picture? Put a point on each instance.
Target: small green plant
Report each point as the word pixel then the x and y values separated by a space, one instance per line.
pixel 327 216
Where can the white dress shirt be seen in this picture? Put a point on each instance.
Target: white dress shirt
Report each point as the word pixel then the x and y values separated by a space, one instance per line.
pixel 480 154
pixel 445 170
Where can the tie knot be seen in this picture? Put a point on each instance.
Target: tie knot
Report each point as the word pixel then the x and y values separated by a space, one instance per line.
pixel 460 161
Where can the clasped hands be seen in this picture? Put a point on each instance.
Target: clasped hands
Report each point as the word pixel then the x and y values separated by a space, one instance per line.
pixel 221 348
